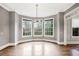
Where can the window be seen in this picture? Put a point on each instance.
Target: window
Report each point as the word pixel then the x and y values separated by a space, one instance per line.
pixel 49 27
pixel 38 27
pixel 75 26
pixel 75 31
pixel 27 27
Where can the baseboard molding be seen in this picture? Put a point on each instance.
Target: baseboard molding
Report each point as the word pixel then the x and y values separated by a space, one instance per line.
pixel 7 45
pixel 21 41
pixel 12 44
pixel 60 43
pixel 4 46
pixel 51 41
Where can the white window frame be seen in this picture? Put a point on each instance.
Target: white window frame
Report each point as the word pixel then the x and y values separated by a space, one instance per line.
pixel 22 28
pixel 44 28
pixel 72 32
pixel 34 31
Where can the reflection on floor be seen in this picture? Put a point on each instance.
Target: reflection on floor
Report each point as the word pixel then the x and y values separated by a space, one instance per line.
pixel 37 49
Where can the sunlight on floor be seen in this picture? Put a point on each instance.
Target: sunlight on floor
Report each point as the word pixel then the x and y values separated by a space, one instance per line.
pixel 40 49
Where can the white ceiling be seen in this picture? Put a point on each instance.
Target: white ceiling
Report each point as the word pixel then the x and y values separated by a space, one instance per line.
pixel 44 9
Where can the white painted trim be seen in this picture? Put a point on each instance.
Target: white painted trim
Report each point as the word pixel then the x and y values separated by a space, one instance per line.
pixel 34 31
pixel 13 44
pixel 58 30
pixel 72 13
pixel 50 40
pixel 61 43
pixel 22 27
pixel 72 33
pixel 7 45
pixel 21 41
pixel 65 31
pixel 4 46
pixel 6 7
pixel 16 29
pixel 53 27
pixel 71 42
pixel 34 40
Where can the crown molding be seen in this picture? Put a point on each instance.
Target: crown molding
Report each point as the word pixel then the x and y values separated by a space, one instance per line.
pixel 6 7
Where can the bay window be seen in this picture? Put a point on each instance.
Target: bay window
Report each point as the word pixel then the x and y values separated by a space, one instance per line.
pixel 40 27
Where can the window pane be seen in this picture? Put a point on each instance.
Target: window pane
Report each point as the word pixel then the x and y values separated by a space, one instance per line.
pixel 48 27
pixel 38 33
pixel 38 27
pixel 75 26
pixel 26 27
pixel 75 31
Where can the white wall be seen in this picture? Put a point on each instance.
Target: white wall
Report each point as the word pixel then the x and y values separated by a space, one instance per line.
pixel 75 22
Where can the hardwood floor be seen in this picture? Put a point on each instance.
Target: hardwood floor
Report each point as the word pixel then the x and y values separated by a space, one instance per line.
pixel 38 49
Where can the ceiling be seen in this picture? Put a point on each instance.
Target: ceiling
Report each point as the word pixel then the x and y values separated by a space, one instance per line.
pixel 44 9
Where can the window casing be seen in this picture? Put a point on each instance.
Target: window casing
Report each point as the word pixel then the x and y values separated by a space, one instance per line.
pixel 49 27
pixel 26 28
pixel 75 27
pixel 38 28
pixel 42 27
